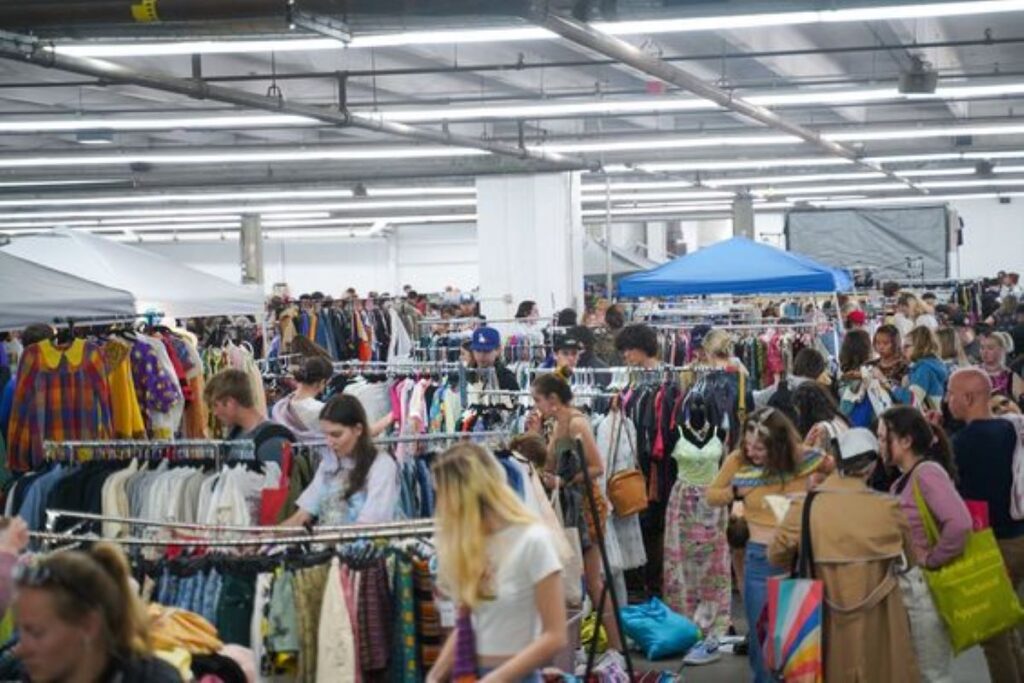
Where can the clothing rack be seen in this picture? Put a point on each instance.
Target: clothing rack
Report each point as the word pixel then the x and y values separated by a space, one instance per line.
pixel 397 365
pixel 129 448
pixel 353 533
pixel 53 515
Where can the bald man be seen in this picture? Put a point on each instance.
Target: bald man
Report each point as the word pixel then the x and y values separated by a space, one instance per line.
pixel 984 451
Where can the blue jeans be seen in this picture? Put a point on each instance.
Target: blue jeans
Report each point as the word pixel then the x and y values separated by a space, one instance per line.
pixel 756 571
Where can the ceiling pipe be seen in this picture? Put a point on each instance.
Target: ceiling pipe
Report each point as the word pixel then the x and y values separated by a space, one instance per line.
pixel 107 13
pixel 524 65
pixel 26 49
pixel 626 53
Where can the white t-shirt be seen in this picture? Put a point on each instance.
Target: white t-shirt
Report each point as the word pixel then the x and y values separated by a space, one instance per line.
pixel 308 410
pixel 520 556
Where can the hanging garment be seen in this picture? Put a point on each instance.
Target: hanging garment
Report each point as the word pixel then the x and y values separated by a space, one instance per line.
pixel 336 655
pixel 61 394
pixel 126 416
pixel 697 573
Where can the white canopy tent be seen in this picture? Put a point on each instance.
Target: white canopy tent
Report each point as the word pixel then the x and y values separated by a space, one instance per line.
pixel 31 293
pixel 156 283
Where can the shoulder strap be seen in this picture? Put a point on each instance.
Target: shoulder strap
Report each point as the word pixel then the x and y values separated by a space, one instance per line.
pixel 272 430
pixel 930 526
pixel 806 568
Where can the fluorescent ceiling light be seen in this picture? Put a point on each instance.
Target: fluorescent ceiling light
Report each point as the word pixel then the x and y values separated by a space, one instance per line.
pixel 749 164
pixel 519 33
pixel 599 188
pixel 826 189
pixel 919 199
pixel 248 156
pixel 669 143
pixel 271 208
pixel 152 123
pixel 925 132
pixel 239 196
pixel 658 196
pixel 946 156
pixel 981 182
pixel 59 183
pixel 783 179
pixel 935 172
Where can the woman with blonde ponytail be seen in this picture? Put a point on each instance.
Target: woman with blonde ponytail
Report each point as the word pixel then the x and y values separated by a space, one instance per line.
pixel 79 621
pixel 500 563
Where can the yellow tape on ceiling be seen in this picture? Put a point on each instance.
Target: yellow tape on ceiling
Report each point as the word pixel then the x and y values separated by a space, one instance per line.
pixel 145 11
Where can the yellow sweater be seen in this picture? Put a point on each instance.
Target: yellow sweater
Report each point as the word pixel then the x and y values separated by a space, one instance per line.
pixel 759 516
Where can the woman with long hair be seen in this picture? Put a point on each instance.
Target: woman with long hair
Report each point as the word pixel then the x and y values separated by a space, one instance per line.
pixel 571 447
pixel 995 346
pixel 79 619
pixel 501 564
pixel 770 461
pixel 924 457
pixel 951 351
pixel 892 366
pixel 299 411
pixel 355 483
pixel 819 420
pixel 925 385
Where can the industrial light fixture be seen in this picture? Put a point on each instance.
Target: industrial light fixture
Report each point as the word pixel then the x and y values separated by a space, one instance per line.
pixel 43 182
pixel 520 33
pixel 784 179
pixel 94 137
pixel 92 127
pixel 352 153
pixel 826 189
pixel 917 199
pixel 412 204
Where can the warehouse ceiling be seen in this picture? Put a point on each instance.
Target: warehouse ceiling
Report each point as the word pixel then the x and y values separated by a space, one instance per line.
pixel 169 119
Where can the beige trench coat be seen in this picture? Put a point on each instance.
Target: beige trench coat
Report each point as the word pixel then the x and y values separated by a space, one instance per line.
pixel 857 537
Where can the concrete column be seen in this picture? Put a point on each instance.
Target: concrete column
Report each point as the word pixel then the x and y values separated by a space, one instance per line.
pixel 657 239
pixel 530 232
pixel 251 245
pixel 394 286
pixel 743 216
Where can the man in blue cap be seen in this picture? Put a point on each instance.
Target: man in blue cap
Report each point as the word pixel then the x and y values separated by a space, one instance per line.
pixel 486 347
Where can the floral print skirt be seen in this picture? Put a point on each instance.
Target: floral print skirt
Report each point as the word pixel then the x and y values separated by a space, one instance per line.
pixel 697 581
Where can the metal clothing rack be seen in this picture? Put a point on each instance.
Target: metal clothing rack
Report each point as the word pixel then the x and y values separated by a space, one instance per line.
pixel 130 448
pixel 353 533
pixel 396 366
pixel 52 516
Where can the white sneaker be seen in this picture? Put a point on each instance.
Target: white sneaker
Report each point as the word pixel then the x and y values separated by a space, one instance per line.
pixel 704 652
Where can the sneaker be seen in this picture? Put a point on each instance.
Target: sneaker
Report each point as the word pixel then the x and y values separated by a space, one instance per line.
pixel 704 652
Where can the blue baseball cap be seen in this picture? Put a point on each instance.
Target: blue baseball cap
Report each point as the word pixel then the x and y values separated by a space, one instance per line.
pixel 486 339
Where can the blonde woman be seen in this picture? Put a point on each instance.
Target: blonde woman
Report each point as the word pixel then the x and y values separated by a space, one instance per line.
pixel 925 384
pixel 500 563
pixel 912 312
pixel 951 351
pixel 995 346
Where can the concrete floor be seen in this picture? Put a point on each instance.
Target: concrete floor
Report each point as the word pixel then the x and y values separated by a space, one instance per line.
pixel 969 667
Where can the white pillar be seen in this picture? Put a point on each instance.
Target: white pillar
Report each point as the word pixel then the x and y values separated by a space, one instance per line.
pixel 530 231
pixel 251 245
pixel 743 216
pixel 657 240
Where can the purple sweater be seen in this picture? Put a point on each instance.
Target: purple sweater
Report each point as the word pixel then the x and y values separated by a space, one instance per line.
pixel 946 506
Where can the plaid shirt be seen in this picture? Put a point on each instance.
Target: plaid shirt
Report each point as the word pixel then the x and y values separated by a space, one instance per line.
pixel 59 395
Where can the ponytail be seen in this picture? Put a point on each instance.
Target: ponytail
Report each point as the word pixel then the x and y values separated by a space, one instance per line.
pixel 97 581
pixel 927 440
pixel 555 383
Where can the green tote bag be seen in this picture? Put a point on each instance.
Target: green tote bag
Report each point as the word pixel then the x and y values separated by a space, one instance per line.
pixel 972 594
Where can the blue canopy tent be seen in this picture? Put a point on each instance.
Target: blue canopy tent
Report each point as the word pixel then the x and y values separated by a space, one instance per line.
pixel 737 266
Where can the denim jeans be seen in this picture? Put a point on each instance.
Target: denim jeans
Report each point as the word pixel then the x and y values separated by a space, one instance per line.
pixel 211 594
pixel 756 572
